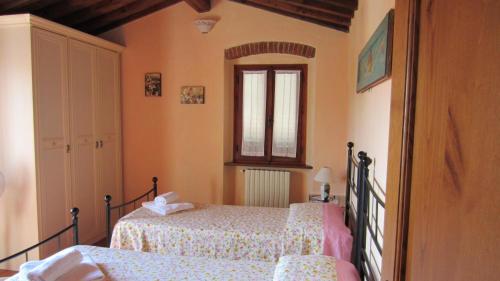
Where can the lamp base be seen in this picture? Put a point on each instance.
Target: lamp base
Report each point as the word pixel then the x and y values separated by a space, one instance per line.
pixel 325 192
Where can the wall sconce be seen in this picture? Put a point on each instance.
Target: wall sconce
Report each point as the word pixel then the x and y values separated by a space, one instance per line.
pixel 205 25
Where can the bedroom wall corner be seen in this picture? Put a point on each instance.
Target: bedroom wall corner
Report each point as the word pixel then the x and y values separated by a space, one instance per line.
pixel 369 112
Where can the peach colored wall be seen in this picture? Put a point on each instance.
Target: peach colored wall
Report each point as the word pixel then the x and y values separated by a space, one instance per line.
pixel 184 145
pixel 369 112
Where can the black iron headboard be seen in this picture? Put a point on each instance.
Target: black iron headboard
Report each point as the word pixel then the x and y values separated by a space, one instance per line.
pixel 363 208
pixel 121 207
pixel 355 200
pixel 74 226
pixel 350 184
pixel 370 207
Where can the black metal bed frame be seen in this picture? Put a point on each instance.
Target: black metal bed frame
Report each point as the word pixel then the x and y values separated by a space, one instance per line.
pixel 74 226
pixel 359 185
pixel 368 196
pixel 352 214
pixel 109 208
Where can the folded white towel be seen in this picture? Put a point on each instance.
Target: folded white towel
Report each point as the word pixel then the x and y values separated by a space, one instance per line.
pixel 28 266
pixel 56 265
pixel 166 198
pixel 25 268
pixel 86 270
pixel 167 209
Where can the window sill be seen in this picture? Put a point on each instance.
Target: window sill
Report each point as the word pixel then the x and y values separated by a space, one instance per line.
pixel 269 165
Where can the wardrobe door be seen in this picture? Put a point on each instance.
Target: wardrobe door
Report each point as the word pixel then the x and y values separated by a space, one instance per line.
pixel 83 141
pixel 108 128
pixel 51 111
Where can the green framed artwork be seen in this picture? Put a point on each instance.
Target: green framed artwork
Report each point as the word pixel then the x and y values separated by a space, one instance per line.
pixel 375 60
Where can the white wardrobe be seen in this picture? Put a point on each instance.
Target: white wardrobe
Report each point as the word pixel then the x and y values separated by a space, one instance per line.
pixel 60 142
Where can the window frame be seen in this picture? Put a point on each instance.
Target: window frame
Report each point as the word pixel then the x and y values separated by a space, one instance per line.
pixel 268 158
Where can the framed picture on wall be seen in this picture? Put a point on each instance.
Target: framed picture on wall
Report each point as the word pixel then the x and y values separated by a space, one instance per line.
pixel 375 60
pixel 152 84
pixel 193 95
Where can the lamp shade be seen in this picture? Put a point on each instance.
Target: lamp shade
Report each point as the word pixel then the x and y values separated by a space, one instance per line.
pixel 324 175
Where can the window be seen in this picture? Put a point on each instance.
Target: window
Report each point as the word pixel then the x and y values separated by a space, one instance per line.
pixel 270 110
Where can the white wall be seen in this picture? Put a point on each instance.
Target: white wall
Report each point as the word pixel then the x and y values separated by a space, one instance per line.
pixel 369 112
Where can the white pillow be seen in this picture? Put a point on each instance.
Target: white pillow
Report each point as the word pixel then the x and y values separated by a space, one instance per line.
pixel 302 268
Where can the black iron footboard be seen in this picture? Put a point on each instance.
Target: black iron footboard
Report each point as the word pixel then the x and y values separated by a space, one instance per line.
pixel 121 208
pixel 73 226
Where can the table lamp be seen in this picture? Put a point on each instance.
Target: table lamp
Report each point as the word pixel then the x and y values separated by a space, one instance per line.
pixel 324 176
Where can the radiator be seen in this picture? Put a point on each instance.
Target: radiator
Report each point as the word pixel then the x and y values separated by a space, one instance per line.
pixel 268 188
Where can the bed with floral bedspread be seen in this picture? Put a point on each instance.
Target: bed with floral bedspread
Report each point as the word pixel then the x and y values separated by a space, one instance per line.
pixel 125 265
pixel 223 231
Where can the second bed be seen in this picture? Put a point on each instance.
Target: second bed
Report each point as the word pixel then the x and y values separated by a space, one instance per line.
pixel 237 232
pixel 240 232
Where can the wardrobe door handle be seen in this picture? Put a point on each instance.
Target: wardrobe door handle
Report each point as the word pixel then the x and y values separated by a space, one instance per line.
pixel 68 148
pixel 96 144
pixel 102 143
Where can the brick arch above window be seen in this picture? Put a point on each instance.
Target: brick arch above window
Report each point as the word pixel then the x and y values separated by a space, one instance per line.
pixel 257 48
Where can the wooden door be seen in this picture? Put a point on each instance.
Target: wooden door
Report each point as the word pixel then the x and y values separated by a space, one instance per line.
pixel 454 221
pixel 108 127
pixel 52 131
pixel 83 140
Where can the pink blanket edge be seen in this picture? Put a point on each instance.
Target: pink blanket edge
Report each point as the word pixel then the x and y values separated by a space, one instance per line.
pixel 337 240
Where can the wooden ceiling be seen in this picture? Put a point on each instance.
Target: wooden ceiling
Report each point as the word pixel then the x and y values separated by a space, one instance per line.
pixel 97 16
pixel 336 14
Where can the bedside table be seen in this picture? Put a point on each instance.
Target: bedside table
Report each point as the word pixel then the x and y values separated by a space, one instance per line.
pixel 316 198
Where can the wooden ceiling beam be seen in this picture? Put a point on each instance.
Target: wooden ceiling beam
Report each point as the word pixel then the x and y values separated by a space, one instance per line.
pixel 26 6
pixel 43 4
pixel 321 7
pixel 200 6
pixel 349 4
pixel 118 14
pixel 303 13
pixel 100 8
pixel 128 13
pixel 271 7
pixel 10 6
pixel 64 8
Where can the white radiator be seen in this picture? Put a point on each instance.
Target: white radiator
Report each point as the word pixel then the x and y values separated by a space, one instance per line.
pixel 268 188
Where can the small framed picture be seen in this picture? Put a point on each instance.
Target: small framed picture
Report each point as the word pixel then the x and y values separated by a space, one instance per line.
pixel 193 95
pixel 152 84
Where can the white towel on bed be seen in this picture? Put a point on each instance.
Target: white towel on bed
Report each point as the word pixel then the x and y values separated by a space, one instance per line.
pixel 56 265
pixel 62 267
pixel 166 198
pixel 166 209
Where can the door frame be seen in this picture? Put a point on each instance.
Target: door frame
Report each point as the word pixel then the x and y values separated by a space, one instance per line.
pixel 399 170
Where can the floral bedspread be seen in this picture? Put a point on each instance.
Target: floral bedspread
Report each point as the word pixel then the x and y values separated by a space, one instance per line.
pixel 304 230
pixel 306 268
pixel 123 265
pixel 223 231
